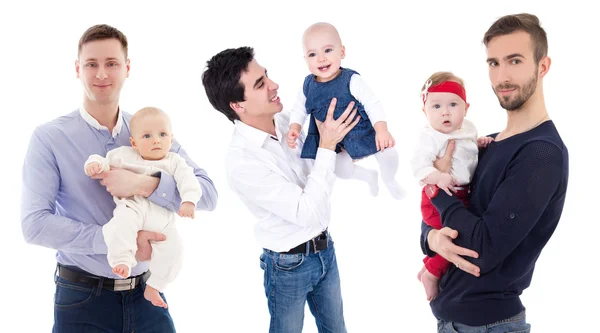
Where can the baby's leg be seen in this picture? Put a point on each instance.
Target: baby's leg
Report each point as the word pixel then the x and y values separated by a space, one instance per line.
pixel 166 255
pixel 346 169
pixel 388 165
pixel 120 234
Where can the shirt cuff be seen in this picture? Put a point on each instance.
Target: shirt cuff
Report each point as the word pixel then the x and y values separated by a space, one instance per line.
pixel 192 197
pixel 164 192
pixel 99 246
pixel 325 158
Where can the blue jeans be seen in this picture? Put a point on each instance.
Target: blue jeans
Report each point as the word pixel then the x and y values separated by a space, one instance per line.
pixel 516 324
pixel 81 308
pixel 291 280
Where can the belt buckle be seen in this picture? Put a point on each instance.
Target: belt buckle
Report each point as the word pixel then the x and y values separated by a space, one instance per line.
pixel 123 285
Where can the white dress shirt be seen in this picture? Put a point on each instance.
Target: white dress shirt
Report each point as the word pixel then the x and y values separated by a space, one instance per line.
pixel 432 144
pixel 359 90
pixel 289 196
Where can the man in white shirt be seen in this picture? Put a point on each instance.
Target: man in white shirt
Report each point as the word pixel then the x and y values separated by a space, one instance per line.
pixel 289 196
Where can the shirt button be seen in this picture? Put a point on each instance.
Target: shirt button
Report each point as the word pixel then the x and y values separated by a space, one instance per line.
pixel 164 194
pixel 512 216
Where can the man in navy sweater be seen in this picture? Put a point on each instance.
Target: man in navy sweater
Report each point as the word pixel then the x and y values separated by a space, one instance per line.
pixel 517 196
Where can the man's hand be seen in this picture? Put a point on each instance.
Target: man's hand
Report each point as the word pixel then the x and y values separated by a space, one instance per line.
pixel 293 135
pixel 144 247
pixel 332 131
pixel 383 137
pixel 440 242
pixel 187 209
pixel 93 168
pixel 124 184
pixel 444 163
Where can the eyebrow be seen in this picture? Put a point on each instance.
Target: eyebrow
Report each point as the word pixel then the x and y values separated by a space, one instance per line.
pixel 328 46
pixel 508 57
pixel 107 59
pixel 259 80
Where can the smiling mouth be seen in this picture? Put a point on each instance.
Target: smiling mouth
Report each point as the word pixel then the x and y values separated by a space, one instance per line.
pixel 275 99
pixel 324 68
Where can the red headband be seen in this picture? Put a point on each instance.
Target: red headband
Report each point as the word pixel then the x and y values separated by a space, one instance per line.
pixel 447 87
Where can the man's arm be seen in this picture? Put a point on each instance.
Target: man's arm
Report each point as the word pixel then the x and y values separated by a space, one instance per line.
pixel 308 206
pixel 167 195
pixel 531 180
pixel 41 181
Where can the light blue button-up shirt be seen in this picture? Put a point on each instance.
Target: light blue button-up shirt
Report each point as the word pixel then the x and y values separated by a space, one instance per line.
pixel 63 209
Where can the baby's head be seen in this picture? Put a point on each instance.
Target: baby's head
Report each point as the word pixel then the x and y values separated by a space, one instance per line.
pixel 323 51
pixel 151 133
pixel 444 101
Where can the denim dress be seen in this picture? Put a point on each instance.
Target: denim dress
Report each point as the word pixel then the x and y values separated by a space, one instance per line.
pixel 360 141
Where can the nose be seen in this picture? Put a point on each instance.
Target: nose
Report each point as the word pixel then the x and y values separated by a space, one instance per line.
pixel 156 140
pixel 272 85
pixel 101 73
pixel 502 74
pixel 320 57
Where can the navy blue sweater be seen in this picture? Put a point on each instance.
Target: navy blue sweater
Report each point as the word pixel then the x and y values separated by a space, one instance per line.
pixel 518 193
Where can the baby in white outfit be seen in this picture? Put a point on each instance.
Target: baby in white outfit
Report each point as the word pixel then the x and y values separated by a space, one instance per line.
pixel 151 140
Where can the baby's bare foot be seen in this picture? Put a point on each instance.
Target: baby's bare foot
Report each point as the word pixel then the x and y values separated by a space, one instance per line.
pixel 153 296
pixel 421 273
pixel 430 282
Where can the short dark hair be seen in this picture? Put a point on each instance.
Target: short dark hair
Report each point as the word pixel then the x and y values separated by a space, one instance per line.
pixel 221 79
pixel 528 23
pixel 100 32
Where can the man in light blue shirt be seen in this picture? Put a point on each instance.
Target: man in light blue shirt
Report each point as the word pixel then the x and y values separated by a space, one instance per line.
pixel 64 209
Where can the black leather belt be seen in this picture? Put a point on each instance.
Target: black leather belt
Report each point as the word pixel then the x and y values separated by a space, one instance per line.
pixel 315 245
pixel 104 282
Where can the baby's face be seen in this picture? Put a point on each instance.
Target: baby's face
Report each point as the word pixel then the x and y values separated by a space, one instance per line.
pixel 323 52
pixel 445 111
pixel 152 137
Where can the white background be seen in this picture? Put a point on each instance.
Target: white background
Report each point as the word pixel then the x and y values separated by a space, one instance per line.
pixel 377 239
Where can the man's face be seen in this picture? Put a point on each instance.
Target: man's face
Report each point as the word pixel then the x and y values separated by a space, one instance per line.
pixel 260 93
pixel 102 68
pixel 513 71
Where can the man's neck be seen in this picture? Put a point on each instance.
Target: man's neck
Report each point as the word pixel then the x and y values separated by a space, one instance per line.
pixel 529 116
pixel 266 124
pixel 105 114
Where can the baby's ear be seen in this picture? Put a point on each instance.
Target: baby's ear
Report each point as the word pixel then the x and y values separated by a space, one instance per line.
pixel 343 51
pixel 132 141
pixel 467 108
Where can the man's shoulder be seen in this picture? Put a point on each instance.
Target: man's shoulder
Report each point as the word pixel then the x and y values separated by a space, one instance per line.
pixel 60 124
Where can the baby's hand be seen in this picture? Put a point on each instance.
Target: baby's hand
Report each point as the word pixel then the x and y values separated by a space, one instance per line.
pixel 293 135
pixel 384 139
pixel 187 209
pixel 446 183
pixel 483 141
pixel 93 168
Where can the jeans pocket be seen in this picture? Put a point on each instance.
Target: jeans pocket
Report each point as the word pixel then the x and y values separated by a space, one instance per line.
pixel 69 295
pixel 263 263
pixel 288 262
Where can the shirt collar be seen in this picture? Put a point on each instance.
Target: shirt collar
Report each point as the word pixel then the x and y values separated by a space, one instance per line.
pixel 95 124
pixel 254 135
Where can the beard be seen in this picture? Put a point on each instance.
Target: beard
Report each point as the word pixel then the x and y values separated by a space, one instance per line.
pixel 524 93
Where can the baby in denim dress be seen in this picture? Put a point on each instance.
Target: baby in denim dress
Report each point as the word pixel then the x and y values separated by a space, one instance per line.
pixel 323 52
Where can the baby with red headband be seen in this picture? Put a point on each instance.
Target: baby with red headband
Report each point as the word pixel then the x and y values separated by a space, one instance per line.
pixel 445 106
